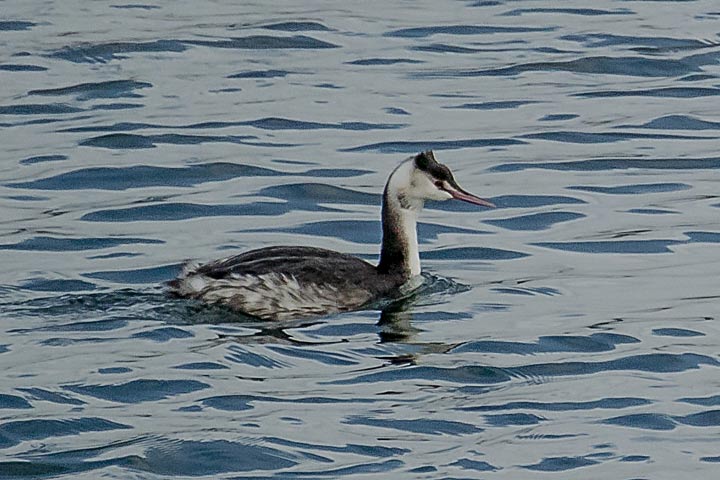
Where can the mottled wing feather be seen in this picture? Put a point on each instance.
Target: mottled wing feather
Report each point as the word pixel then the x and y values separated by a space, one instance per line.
pixel 285 282
pixel 306 264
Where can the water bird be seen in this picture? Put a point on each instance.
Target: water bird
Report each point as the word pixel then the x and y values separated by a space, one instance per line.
pixel 284 282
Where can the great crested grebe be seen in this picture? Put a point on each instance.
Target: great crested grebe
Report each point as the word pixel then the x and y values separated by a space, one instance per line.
pixel 278 283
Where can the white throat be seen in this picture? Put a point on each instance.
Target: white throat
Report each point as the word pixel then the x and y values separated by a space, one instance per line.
pixel 408 225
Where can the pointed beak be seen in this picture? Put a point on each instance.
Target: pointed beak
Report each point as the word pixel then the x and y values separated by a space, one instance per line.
pixel 461 194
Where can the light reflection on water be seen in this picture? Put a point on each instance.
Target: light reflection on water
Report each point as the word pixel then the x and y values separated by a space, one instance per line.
pixel 570 330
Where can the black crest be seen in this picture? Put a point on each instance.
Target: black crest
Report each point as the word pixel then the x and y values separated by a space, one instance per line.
pixel 426 162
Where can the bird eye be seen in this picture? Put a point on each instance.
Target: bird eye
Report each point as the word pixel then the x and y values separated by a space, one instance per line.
pixel 439 184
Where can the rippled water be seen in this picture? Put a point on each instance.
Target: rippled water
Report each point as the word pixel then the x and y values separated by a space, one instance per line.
pixel 572 330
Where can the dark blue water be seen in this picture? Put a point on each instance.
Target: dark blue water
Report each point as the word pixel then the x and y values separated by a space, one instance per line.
pixel 572 331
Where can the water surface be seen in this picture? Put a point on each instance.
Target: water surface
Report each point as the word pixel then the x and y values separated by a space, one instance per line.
pixel 569 331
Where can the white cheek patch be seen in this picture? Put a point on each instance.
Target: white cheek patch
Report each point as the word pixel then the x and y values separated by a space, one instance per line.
pixel 433 192
pixel 422 187
pixel 445 191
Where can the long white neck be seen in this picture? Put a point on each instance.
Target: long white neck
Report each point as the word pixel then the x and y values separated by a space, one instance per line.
pixel 399 253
